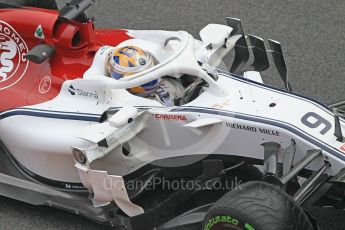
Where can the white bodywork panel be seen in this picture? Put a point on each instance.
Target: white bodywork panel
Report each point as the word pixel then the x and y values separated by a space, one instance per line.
pixel 254 76
pixel 233 116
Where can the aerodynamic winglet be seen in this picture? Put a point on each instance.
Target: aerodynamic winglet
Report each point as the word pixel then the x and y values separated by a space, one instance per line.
pixel 241 48
pixel 261 61
pixel 279 61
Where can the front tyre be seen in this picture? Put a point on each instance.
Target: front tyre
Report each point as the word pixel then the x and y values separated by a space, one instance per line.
pixel 256 206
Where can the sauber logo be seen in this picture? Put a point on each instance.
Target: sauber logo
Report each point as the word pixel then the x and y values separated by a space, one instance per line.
pixel 13 49
pixel 81 92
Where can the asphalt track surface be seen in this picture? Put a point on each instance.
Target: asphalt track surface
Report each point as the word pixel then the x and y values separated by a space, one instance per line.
pixel 312 34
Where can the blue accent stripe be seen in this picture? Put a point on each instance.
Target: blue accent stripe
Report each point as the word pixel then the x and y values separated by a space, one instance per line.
pixel 51 114
pixel 324 146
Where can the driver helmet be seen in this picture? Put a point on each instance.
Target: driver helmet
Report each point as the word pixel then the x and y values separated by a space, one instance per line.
pixel 129 60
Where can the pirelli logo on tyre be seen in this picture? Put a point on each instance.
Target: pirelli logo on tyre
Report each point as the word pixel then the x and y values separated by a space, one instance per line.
pixel 13 49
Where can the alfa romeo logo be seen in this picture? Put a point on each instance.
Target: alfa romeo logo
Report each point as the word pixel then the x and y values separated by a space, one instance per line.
pixel 13 63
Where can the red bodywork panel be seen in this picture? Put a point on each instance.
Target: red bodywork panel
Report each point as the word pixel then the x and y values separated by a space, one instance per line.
pixel 25 83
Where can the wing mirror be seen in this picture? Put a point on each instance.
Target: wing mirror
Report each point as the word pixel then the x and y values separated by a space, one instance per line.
pixel 75 10
pixel 40 53
pixel 124 116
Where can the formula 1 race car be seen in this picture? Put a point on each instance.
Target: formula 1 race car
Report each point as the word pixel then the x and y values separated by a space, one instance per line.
pixel 229 152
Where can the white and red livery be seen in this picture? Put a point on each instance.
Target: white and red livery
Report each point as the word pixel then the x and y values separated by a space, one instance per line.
pixel 67 130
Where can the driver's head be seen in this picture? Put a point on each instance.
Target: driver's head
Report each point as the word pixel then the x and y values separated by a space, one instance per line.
pixel 129 60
